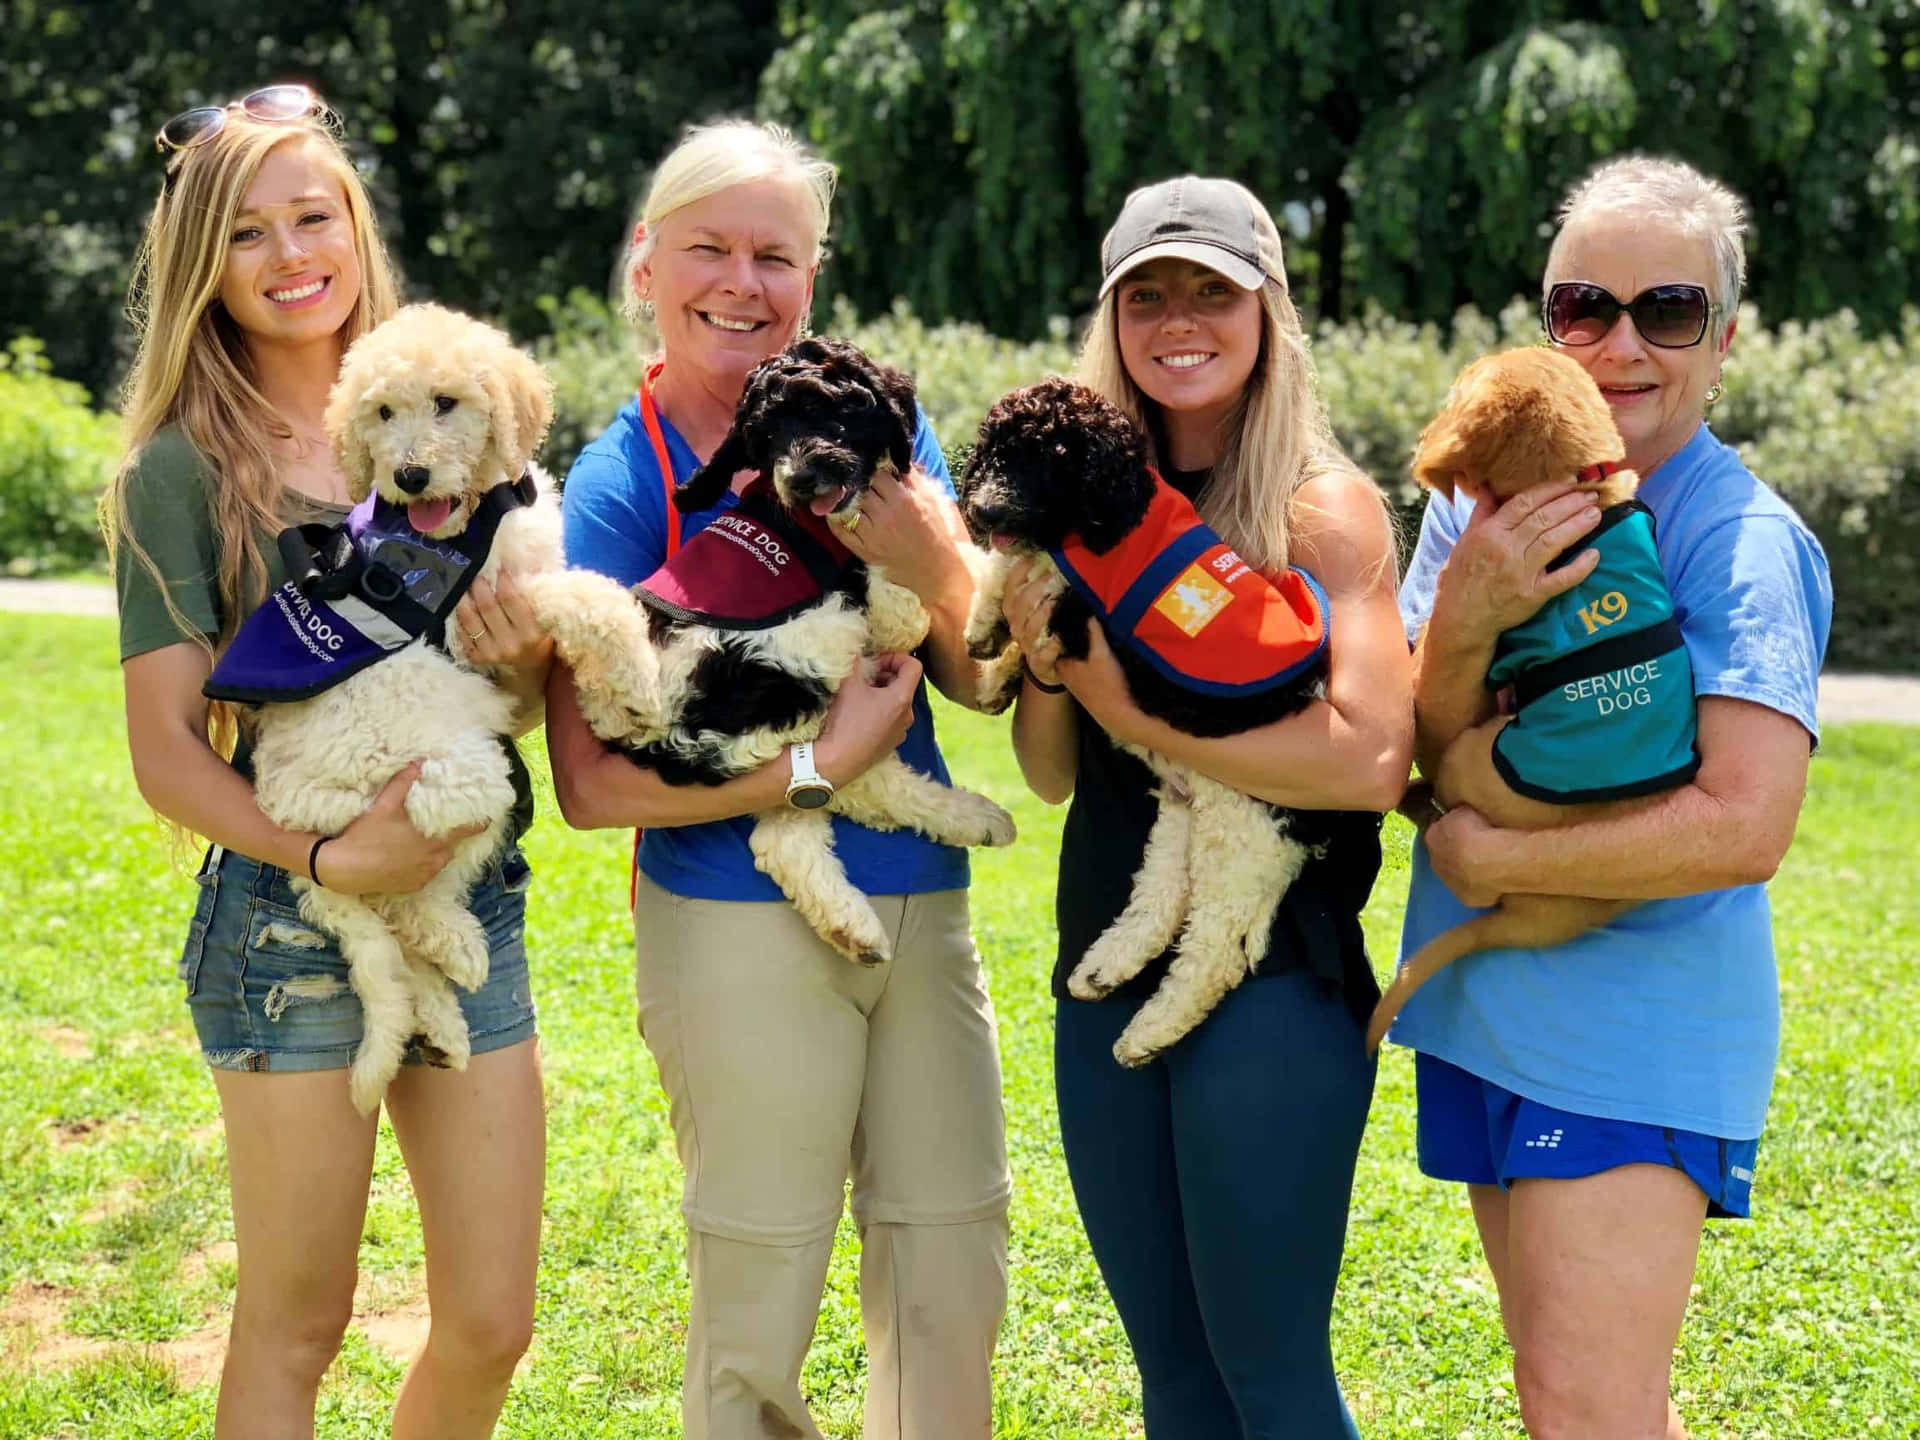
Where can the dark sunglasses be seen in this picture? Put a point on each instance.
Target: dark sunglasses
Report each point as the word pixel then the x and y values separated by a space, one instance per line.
pixel 1673 317
pixel 199 125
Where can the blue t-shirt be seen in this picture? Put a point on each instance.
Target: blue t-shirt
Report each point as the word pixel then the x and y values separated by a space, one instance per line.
pixel 615 512
pixel 1670 1015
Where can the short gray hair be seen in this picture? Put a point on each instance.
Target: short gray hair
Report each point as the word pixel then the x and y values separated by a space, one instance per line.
pixel 712 158
pixel 1670 190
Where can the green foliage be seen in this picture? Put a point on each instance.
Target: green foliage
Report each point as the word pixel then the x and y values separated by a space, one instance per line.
pixel 1825 415
pixel 505 143
pixel 593 355
pixel 1418 153
pixel 114 1214
pixel 56 456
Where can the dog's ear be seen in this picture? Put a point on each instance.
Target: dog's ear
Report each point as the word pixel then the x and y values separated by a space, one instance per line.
pixel 897 390
pixel 1439 458
pixel 1444 453
pixel 710 481
pixel 519 404
pixel 344 422
pixel 1114 485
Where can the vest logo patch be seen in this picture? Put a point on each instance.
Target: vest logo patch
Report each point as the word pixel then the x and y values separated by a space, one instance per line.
pixel 1194 600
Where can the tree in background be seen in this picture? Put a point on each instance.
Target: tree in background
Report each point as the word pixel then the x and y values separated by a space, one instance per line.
pixel 505 140
pixel 1415 151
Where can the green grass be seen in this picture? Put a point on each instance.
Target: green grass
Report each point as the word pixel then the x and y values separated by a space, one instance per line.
pixel 112 1185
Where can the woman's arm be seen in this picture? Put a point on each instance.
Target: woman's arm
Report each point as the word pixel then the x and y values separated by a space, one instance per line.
pixel 598 788
pixel 1348 751
pixel 1730 826
pixel 181 776
pixel 912 529
pixel 1494 578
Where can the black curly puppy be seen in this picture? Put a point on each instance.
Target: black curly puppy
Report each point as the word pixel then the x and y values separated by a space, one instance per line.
pixel 1206 643
pixel 818 419
pixel 754 624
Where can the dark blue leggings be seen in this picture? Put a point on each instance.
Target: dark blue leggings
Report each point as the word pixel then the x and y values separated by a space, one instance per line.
pixel 1214 1184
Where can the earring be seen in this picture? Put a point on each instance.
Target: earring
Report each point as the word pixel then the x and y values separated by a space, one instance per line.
pixel 806 326
pixel 1714 392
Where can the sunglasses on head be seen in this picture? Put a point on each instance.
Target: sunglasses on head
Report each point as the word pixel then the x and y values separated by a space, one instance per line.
pixel 1673 317
pixel 200 124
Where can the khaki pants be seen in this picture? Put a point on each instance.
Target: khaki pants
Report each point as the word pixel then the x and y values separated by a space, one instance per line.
pixel 789 1068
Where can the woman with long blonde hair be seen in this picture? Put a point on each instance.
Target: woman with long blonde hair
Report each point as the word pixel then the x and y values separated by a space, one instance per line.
pixel 261 265
pixel 1214 1180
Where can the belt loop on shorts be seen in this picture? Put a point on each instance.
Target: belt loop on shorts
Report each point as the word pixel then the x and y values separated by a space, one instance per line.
pixel 215 853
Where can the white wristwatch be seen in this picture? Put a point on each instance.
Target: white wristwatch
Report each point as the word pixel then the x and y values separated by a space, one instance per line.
pixel 808 789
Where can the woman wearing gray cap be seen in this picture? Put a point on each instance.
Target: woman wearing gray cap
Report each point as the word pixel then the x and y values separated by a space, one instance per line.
pixel 1214 1181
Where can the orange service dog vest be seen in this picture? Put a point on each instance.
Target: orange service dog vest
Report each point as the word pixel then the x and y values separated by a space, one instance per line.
pixel 1179 597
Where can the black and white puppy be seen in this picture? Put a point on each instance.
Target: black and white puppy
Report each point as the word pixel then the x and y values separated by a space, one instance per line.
pixel 1062 474
pixel 740 641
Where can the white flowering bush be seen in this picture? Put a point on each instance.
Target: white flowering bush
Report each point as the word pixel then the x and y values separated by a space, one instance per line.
pixel 56 455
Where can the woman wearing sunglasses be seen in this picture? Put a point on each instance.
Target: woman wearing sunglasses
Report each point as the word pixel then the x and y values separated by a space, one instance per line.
pixel 261 265
pixel 1601 1098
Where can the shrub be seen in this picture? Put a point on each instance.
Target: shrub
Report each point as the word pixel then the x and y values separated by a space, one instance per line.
pixel 1824 414
pixel 56 455
pixel 593 355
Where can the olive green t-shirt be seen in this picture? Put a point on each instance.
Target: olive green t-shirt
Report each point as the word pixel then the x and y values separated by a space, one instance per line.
pixel 169 513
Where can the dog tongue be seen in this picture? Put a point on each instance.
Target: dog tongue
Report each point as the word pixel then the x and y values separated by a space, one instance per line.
pixel 426 516
pixel 828 503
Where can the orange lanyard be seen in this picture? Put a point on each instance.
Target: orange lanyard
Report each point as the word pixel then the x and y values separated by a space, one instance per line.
pixel 651 419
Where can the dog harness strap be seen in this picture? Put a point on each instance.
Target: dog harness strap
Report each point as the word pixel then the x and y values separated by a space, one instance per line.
pixel 357 592
pixel 651 419
pixel 1601 679
pixel 1176 595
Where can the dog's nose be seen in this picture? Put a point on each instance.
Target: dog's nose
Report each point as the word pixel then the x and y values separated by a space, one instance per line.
pixel 412 478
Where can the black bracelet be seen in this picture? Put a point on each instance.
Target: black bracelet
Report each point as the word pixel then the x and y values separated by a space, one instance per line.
pixel 1042 686
pixel 313 855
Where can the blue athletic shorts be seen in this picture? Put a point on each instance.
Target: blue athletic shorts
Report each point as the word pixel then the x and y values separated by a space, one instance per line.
pixel 269 992
pixel 1478 1133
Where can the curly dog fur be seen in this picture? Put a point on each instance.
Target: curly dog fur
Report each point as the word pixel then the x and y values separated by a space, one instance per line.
pixel 433 409
pixel 1512 420
pixel 701 704
pixel 1054 461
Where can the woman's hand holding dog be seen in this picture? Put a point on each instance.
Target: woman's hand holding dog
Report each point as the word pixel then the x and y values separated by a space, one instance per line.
pixel 1457 846
pixel 868 719
pixel 909 528
pixel 499 632
pixel 1028 605
pixel 1497 575
pixel 500 627
pixel 382 852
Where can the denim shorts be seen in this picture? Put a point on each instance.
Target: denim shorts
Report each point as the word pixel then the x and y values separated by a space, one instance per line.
pixel 1479 1133
pixel 269 992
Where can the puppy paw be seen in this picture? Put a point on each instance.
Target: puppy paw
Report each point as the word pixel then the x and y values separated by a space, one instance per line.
pixel 862 944
pixel 1133 1051
pixel 996 829
pixel 368 1077
pixel 986 642
pixel 1090 981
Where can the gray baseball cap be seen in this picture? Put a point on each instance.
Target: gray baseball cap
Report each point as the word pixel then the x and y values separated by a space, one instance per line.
pixel 1215 223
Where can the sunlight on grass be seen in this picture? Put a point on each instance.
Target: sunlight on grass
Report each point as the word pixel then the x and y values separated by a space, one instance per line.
pixel 114 1256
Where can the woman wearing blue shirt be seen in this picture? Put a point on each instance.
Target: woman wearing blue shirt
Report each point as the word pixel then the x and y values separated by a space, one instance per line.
pixel 787 1067
pixel 1602 1097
